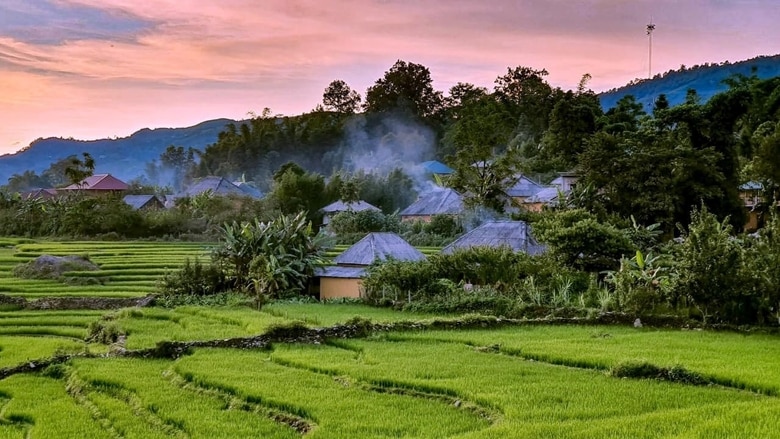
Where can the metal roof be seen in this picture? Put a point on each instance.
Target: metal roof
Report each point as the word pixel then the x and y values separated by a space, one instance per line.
pixel 444 201
pixel 356 206
pixel 99 182
pixel 545 195
pixel 341 272
pixel 376 247
pixel 141 201
pixel 513 234
pixel 436 167
pixel 217 185
pixel 524 187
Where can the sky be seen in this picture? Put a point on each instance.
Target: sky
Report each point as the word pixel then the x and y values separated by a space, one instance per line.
pixel 92 69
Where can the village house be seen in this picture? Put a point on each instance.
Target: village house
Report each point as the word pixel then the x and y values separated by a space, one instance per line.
pixel 337 207
pixel 445 201
pixel 43 194
pixel 344 279
pixel 515 235
pixel 143 202
pixel 98 184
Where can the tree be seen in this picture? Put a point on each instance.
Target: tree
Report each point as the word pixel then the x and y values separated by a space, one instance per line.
pixel 338 96
pixel 78 170
pixel 578 239
pixel 709 265
pixel 178 160
pixel 572 122
pixel 530 97
pixel 484 166
pixel 25 181
pixel 406 88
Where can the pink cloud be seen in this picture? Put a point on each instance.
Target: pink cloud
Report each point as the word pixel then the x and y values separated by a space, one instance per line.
pixel 197 60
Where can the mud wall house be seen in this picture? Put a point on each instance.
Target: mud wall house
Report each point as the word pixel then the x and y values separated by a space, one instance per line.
pixel 445 201
pixel 750 194
pixel 337 207
pixel 515 235
pixel 98 184
pixel 343 280
pixel 547 196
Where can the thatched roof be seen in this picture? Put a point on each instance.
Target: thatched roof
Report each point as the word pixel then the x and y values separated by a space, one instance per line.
pixel 355 206
pixel 217 185
pixel 341 272
pixel 524 187
pixel 376 247
pixel 513 234
pixel 444 201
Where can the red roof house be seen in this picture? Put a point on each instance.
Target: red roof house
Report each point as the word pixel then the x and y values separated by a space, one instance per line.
pixel 99 183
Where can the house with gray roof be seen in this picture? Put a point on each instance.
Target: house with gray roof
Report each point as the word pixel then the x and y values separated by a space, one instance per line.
pixel 523 188
pixel 548 196
pixel 143 202
pixel 343 279
pixel 337 207
pixel 494 234
pixel 445 201
pixel 218 186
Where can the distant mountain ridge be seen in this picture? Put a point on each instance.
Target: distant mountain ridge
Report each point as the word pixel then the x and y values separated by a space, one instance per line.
pixel 124 158
pixel 706 79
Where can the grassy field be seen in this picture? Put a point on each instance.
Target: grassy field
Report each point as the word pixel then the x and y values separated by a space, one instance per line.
pixel 518 382
pixel 127 269
pixel 509 382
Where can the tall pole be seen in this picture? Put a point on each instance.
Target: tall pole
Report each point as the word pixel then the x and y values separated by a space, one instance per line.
pixel 650 29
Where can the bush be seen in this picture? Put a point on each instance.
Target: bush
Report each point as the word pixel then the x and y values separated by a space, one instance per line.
pixel 104 331
pixel 194 279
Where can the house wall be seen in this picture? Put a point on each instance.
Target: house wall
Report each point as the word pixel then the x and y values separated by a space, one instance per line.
pixel 752 222
pixel 332 288
pixel 409 218
pixel 533 207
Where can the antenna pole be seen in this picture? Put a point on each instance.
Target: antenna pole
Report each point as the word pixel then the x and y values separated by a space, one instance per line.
pixel 650 29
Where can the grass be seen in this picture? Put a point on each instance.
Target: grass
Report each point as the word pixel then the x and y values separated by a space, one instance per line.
pixel 738 360
pixel 514 382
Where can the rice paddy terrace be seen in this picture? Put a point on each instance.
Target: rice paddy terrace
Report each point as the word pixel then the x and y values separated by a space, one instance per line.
pixel 412 380
pixel 127 269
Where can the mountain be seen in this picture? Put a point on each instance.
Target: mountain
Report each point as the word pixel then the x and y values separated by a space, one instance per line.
pixel 124 158
pixel 706 79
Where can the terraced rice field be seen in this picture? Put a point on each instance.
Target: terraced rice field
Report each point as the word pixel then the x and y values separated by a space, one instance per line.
pixel 127 269
pixel 511 382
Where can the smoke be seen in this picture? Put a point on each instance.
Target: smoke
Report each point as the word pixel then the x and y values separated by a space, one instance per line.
pixel 378 146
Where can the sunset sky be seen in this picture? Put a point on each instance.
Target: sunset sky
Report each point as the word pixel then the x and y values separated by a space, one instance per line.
pixel 103 68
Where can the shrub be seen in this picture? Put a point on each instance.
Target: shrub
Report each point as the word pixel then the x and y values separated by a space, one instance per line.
pixel 104 331
pixel 194 279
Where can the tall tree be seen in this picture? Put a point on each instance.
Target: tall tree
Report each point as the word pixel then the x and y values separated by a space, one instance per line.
pixel 484 165
pixel 78 169
pixel 338 96
pixel 405 88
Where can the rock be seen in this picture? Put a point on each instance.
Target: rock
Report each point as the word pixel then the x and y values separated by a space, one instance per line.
pixel 637 323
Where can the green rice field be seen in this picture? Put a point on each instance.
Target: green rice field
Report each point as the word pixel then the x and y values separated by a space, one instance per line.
pixel 522 381
pixel 515 382
pixel 127 269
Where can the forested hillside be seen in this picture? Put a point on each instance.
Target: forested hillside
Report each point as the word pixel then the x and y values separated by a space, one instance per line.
pixel 124 157
pixel 706 79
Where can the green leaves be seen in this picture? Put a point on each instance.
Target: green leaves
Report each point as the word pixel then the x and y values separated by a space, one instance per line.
pixel 273 258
